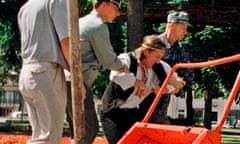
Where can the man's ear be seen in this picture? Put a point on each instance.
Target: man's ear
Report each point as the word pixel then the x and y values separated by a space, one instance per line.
pixel 104 4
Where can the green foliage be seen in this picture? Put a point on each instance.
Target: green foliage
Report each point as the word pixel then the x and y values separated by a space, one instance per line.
pixel 89 0
pixel 212 43
pixel 123 6
pixel 178 2
pixel 207 43
pixel 100 84
pixel 124 29
pixel 8 56
pixel 160 28
pixel 10 61
pixel 199 92
pixel 85 6
pixel 118 35
pixel 203 42
pixel 210 81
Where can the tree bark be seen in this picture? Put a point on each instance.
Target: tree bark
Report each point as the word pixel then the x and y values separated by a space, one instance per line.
pixel 189 106
pixel 76 73
pixel 134 24
pixel 208 110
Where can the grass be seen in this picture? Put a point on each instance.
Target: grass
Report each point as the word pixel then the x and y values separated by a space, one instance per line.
pixel 230 139
pixel 230 136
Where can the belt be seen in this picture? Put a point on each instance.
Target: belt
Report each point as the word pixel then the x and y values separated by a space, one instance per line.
pixel 42 63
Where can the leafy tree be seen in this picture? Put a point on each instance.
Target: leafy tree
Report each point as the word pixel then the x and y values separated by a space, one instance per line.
pixel 9 58
pixel 212 84
pixel 134 23
pixel 208 44
pixel 203 42
pixel 212 43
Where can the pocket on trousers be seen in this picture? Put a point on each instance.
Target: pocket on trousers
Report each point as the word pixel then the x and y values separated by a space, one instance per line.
pixel 38 68
pixel 32 75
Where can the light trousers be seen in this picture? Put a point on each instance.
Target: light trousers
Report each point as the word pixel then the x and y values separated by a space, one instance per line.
pixel 43 88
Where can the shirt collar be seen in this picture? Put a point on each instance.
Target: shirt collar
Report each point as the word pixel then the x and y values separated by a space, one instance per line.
pixel 95 13
pixel 164 38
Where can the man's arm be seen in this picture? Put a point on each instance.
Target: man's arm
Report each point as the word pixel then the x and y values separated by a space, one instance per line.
pixel 65 50
pixel 104 51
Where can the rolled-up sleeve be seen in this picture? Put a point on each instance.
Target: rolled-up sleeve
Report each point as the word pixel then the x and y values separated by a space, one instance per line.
pixel 125 80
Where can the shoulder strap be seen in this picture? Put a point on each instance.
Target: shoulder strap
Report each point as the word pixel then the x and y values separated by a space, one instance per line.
pixel 160 72
pixel 114 95
pixel 133 64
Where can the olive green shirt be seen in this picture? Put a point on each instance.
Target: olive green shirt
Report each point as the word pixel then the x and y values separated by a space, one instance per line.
pixel 96 48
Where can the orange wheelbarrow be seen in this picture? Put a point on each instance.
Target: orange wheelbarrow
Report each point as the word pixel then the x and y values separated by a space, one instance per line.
pixel 150 133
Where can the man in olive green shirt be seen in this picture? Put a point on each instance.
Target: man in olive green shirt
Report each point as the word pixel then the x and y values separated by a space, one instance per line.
pixel 97 55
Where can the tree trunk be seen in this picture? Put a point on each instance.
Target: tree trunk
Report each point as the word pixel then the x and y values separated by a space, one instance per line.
pixel 208 110
pixel 76 73
pixel 134 24
pixel 189 106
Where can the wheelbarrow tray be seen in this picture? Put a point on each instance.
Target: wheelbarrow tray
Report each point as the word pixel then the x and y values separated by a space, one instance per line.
pixel 149 133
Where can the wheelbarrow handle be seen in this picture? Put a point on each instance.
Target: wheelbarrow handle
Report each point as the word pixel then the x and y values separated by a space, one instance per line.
pixel 191 65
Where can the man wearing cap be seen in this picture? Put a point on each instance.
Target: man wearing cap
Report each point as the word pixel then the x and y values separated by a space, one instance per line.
pixel 97 55
pixel 176 29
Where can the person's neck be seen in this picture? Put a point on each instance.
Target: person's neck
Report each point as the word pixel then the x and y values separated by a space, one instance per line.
pixel 171 37
pixel 144 63
pixel 100 11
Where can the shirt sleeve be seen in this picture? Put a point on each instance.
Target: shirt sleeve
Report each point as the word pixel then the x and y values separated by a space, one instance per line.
pixel 167 69
pixel 104 51
pixel 188 74
pixel 58 12
pixel 124 80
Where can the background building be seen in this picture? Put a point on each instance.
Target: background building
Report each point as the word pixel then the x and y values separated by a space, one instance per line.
pixel 177 109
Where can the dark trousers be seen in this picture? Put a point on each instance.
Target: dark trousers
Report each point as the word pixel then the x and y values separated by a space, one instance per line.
pixel 116 122
pixel 91 121
pixel 159 114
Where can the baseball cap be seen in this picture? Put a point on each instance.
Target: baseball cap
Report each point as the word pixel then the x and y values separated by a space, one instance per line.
pixel 179 17
pixel 116 2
